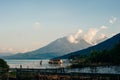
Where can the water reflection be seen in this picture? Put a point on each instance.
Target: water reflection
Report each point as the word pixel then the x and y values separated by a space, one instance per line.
pixel 56 65
pixel 36 64
pixel 117 69
pixel 93 69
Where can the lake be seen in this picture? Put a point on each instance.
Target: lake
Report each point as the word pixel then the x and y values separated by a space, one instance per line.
pixel 34 64
pixel 45 64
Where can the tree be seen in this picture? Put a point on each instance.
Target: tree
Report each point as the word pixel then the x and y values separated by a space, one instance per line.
pixel 3 70
pixel 93 56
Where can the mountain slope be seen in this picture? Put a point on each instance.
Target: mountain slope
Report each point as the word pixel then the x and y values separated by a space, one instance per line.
pixel 57 48
pixel 5 54
pixel 108 44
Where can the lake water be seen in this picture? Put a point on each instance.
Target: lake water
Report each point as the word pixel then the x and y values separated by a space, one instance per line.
pixel 34 64
pixel 45 64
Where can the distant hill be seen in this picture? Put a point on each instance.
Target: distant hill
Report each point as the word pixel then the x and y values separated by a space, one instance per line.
pixel 57 48
pixel 6 54
pixel 107 44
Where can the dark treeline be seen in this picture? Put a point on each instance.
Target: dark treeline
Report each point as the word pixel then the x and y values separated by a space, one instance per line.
pixel 98 58
pixel 3 70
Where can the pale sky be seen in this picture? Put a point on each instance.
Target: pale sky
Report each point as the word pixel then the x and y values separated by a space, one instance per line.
pixel 27 25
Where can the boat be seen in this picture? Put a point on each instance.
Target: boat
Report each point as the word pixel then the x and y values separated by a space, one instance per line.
pixel 55 61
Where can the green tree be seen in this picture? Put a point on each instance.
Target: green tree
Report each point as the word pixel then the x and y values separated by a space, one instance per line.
pixel 93 56
pixel 3 70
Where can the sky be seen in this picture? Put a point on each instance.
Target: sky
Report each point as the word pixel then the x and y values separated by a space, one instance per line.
pixel 26 25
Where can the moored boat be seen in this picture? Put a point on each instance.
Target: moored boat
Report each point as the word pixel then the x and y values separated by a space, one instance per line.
pixel 55 61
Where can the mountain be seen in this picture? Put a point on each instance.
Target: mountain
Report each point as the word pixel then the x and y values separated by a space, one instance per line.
pixel 107 44
pixel 5 54
pixel 99 40
pixel 56 48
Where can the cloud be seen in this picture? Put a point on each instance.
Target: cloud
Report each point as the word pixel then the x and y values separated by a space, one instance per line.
pixel 74 38
pixel 87 36
pixel 80 31
pixel 103 27
pixel 37 25
pixel 5 50
pixel 99 38
pixel 102 36
pixel 112 20
pixel 12 50
pixel 25 50
pixel 90 35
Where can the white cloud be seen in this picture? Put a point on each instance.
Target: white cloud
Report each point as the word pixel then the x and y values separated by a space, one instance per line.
pixel 113 34
pixel 12 50
pixel 104 27
pixel 37 25
pixel 101 36
pixel 25 50
pixel 80 31
pixel 90 35
pixel 112 20
pixel 5 50
pixel 74 38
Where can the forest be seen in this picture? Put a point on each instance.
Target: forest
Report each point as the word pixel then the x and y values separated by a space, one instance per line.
pixel 98 58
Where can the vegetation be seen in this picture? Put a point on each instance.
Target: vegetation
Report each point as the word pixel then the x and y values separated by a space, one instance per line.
pixel 99 58
pixel 3 70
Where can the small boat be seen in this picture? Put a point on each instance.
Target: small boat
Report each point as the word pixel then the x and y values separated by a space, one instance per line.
pixel 55 61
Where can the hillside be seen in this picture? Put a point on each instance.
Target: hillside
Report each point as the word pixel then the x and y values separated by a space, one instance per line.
pixel 107 44
pixel 56 48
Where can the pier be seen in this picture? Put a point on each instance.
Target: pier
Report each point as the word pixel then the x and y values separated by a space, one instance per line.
pixel 61 74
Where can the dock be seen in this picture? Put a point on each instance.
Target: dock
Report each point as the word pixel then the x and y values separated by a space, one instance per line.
pixel 61 74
